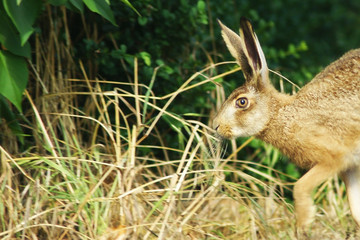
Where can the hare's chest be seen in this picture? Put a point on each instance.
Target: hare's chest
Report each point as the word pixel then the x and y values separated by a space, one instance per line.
pixel 353 157
pixel 299 136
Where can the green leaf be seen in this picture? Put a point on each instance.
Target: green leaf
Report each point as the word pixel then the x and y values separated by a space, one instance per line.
pixel 11 120
pixel 13 77
pixel 131 6
pixel 78 4
pixel 10 38
pixel 142 20
pixel 60 168
pixel 101 7
pixel 57 2
pixel 174 123
pixel 146 57
pixel 23 16
pixel 72 5
pixel 201 6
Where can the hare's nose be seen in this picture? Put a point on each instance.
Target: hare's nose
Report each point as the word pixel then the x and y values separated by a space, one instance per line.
pixel 215 123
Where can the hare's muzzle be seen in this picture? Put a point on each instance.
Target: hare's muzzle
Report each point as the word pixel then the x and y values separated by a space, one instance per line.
pixel 216 123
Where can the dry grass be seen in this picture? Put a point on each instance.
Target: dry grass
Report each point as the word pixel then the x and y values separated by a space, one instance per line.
pixel 87 174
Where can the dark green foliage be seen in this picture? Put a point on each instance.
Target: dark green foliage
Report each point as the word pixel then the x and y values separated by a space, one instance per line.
pixel 16 28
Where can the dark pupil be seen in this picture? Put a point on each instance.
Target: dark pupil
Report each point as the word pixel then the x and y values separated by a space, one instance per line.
pixel 242 101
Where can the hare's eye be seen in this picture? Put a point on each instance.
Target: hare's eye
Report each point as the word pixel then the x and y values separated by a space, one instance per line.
pixel 242 102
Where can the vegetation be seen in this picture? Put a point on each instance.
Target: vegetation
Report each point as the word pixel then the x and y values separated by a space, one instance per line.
pixel 107 135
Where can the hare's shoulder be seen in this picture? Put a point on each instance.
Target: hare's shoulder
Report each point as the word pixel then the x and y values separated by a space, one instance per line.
pixel 340 81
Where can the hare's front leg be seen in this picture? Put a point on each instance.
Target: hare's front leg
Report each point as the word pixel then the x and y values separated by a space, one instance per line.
pixel 351 177
pixel 305 210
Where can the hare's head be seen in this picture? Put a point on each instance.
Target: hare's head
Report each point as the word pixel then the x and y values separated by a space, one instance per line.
pixel 246 111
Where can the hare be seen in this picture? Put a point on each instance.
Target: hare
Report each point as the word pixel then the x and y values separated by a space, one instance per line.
pixel 318 128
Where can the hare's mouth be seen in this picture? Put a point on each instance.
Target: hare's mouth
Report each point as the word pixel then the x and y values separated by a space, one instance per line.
pixel 221 137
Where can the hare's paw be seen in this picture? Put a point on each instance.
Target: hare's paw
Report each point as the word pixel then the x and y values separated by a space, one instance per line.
pixel 305 214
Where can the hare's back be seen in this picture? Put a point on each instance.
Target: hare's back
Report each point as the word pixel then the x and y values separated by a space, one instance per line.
pixel 332 99
pixel 337 86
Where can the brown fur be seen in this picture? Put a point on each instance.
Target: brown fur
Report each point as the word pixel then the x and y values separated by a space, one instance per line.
pixel 318 128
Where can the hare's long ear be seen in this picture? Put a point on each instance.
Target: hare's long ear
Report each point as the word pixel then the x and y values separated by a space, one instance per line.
pixel 233 42
pixel 247 51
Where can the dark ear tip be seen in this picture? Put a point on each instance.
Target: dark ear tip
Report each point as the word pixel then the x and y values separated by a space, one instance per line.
pixel 244 21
